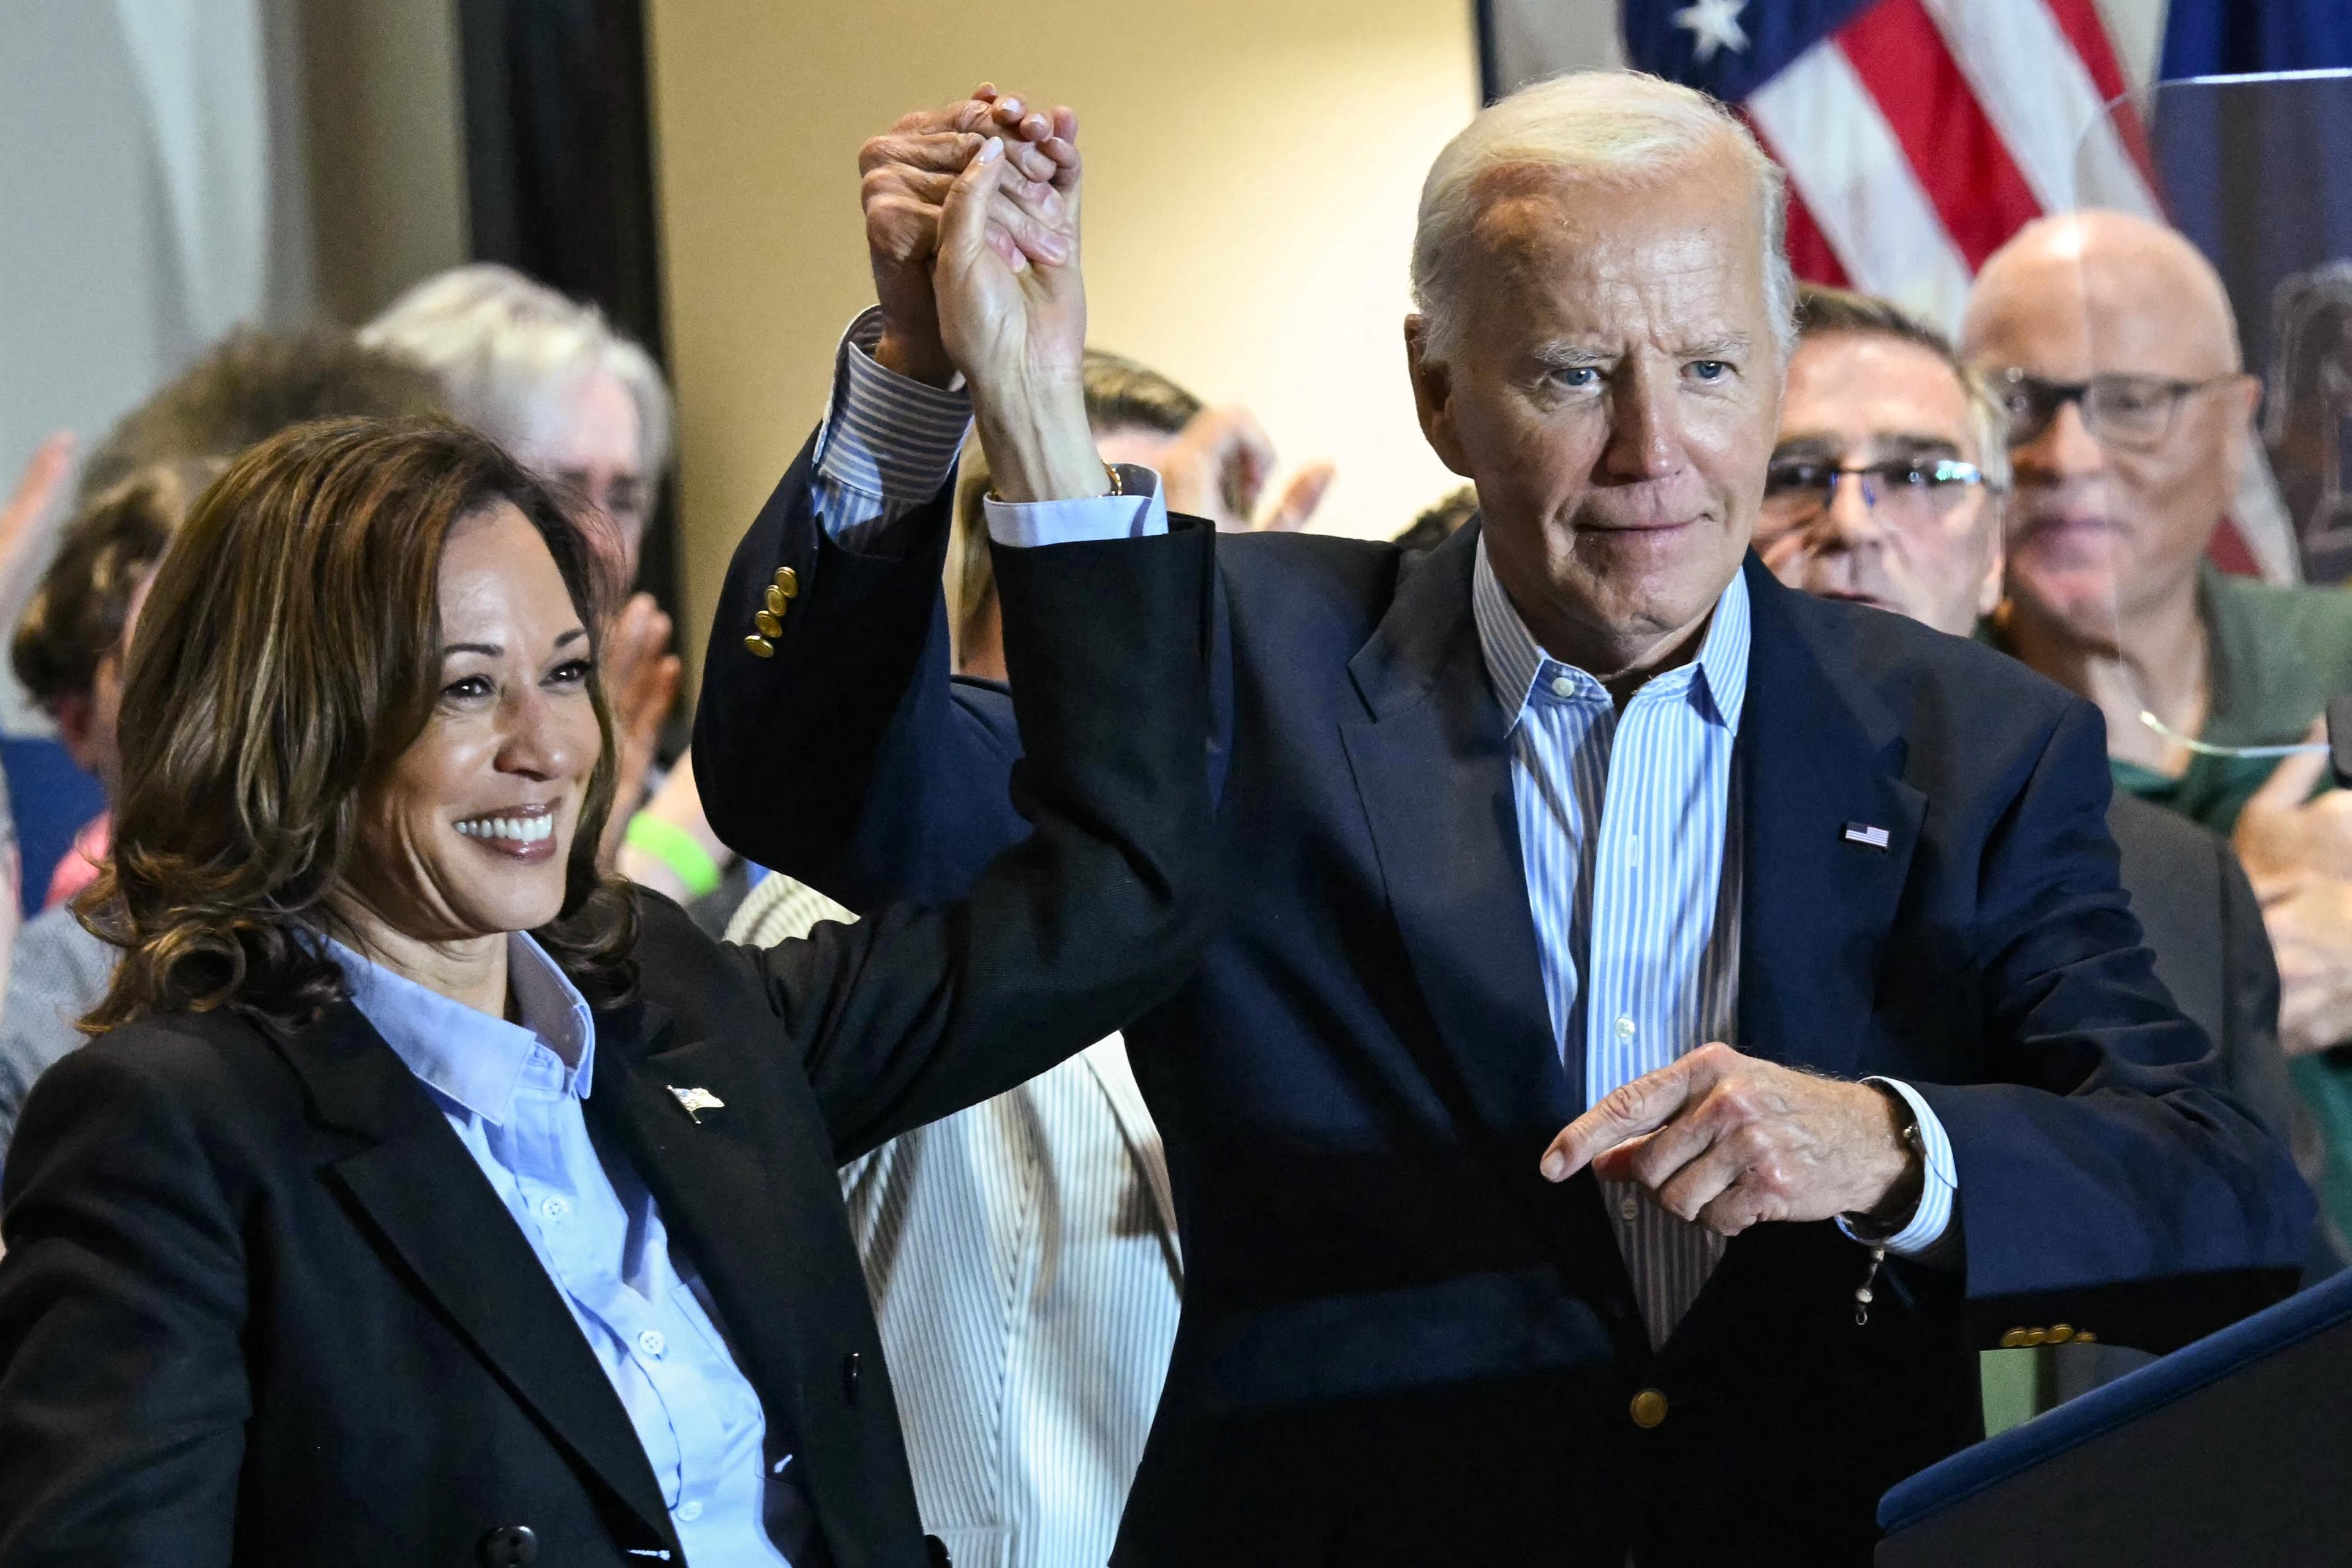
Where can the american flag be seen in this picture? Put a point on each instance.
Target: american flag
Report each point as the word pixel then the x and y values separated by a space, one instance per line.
pixel 1919 135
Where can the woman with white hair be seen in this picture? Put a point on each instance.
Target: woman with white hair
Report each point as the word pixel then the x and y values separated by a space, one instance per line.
pixel 550 379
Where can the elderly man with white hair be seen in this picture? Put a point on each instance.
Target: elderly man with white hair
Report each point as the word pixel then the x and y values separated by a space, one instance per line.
pixel 1661 1024
pixel 550 380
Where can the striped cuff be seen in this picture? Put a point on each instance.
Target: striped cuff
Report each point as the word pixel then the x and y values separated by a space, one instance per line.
pixel 1941 1180
pixel 1138 512
pixel 887 444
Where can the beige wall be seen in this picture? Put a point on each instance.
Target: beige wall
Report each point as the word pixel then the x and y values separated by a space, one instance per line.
pixel 386 147
pixel 1252 166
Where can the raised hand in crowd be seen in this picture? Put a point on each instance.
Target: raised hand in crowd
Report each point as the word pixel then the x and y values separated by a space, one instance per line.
pixel 2297 851
pixel 641 681
pixel 22 518
pixel 1219 466
pixel 905 175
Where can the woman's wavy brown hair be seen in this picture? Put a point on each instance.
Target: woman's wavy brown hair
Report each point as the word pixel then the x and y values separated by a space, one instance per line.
pixel 289 652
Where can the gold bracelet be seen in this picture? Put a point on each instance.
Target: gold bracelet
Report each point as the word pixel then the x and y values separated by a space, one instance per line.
pixel 1118 486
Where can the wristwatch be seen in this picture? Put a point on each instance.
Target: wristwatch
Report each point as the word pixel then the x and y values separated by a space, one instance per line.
pixel 1878 1232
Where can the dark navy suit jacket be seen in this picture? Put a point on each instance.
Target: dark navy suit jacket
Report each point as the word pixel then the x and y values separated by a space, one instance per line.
pixel 1399 1343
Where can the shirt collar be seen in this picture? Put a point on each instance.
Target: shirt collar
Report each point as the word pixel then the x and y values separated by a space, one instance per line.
pixel 465 1055
pixel 1515 661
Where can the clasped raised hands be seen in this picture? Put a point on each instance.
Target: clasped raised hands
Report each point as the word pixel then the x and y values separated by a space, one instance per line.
pixel 972 225
pixel 1019 169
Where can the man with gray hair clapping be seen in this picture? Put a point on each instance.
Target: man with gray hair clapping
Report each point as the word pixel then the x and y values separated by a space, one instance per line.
pixel 1661 1026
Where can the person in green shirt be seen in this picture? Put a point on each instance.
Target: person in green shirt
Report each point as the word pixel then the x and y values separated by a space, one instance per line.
pixel 2130 426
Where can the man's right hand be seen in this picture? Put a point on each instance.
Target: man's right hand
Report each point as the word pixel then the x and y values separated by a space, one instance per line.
pixel 2297 851
pixel 907 174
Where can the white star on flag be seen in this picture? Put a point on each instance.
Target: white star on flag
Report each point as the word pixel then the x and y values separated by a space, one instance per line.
pixel 1714 25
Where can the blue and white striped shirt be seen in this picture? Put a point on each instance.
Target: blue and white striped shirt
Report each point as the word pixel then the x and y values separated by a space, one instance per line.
pixel 1629 830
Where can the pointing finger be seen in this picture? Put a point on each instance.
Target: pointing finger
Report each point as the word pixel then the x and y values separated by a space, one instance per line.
pixel 1626 1111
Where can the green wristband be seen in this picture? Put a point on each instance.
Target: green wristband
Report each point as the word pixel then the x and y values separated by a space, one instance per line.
pixel 677 848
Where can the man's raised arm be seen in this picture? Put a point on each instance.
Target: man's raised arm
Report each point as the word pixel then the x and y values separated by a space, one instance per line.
pixel 829 743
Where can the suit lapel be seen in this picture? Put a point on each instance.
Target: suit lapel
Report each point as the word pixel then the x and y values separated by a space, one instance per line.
pixel 1432 757
pixel 429 1202
pixel 1820 755
pixel 1107 1061
pixel 724 1194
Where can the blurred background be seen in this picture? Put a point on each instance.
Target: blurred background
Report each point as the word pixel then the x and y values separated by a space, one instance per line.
pixel 171 169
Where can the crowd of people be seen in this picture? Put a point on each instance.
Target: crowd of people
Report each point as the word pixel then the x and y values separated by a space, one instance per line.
pixel 1138 1032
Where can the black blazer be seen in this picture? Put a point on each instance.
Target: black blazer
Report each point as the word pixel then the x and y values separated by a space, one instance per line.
pixel 1399 1343
pixel 260 1306
pixel 2205 927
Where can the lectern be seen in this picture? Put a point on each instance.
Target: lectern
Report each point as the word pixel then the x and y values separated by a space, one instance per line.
pixel 2236 1451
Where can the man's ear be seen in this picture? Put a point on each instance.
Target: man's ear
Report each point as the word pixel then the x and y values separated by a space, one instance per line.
pixel 1432 396
pixel 2245 440
pixel 1988 592
pixel 75 717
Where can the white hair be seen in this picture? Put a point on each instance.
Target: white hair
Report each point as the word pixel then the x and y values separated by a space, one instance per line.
pixel 1617 131
pixel 500 344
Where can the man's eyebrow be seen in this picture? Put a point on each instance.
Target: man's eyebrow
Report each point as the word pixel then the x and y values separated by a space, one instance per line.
pixel 1721 347
pixel 1562 354
pixel 1891 443
pixel 1914 445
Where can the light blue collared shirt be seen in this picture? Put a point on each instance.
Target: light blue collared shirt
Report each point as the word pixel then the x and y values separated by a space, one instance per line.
pixel 1628 825
pixel 1630 836
pixel 513 1093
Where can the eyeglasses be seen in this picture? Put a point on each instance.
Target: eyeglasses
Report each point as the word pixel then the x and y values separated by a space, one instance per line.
pixel 2130 412
pixel 1905 492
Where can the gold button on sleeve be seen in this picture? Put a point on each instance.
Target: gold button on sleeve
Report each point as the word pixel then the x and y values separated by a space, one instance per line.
pixel 769 626
pixel 760 646
pixel 2059 1333
pixel 1648 1408
pixel 776 600
pixel 2037 1336
pixel 788 582
pixel 2085 1337
pixel 2012 1340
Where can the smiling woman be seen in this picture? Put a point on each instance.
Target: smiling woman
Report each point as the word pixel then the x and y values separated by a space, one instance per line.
pixel 424 1199
pixel 400 648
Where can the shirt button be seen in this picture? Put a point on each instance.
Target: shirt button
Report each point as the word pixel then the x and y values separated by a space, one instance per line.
pixel 1561 685
pixel 688 1512
pixel 1624 1027
pixel 555 1210
pixel 653 1343
pixel 1629 1207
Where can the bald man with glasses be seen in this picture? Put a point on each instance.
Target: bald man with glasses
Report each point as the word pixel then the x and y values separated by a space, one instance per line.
pixel 2130 420
pixel 1887 486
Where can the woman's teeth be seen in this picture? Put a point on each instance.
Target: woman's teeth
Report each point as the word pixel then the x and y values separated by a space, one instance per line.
pixel 522 829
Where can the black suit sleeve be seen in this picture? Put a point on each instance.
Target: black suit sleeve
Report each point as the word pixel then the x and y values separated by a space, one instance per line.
pixel 917 1011
pixel 849 758
pixel 2249 1000
pixel 122 1298
pixel 2103 1151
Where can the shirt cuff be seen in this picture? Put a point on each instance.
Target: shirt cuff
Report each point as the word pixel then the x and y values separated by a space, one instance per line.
pixel 1138 512
pixel 888 442
pixel 1939 1181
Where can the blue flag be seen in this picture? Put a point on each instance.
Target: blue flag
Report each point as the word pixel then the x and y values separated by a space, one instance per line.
pixel 2235 38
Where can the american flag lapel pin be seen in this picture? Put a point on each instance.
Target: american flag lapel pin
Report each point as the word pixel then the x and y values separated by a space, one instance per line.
pixel 1865 833
pixel 698 1101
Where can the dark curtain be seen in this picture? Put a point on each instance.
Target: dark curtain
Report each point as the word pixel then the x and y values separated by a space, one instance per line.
pixel 558 165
